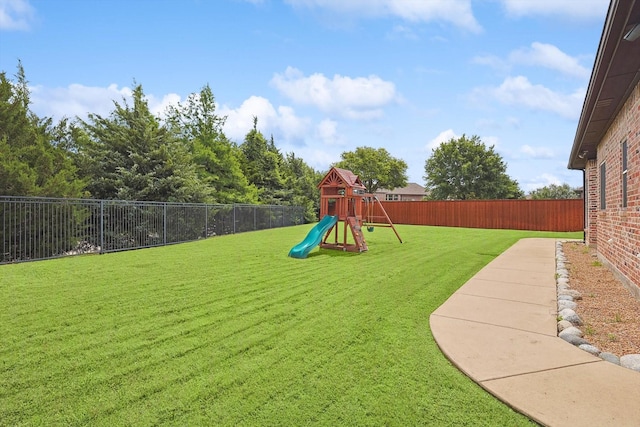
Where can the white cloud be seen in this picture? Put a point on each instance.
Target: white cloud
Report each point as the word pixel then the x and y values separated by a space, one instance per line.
pixel 327 133
pixel 538 55
pixel 321 160
pixel 281 122
pixel 16 15
pixel 292 127
pixel 318 157
pixel 490 141
pixel 537 152
pixel 443 136
pixel 240 120
pixel 456 12
pixel 583 9
pixel 493 62
pixel 402 32
pixel 159 106
pixel 540 181
pixel 488 123
pixel 519 91
pixel 549 56
pixel 355 98
pixel 513 122
pixel 438 39
pixel 497 123
pixel 79 100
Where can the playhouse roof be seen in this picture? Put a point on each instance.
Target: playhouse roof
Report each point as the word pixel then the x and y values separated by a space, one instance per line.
pixel 337 177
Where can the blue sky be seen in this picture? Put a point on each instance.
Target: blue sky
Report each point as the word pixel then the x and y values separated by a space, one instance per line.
pixel 327 76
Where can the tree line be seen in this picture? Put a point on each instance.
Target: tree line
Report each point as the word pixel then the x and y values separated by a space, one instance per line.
pixel 132 154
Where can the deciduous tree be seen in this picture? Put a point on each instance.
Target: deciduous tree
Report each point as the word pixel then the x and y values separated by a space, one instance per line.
pixel 375 167
pixel 553 191
pixel 465 168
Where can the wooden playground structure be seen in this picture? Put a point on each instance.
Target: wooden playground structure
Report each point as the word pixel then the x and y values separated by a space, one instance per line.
pixel 342 194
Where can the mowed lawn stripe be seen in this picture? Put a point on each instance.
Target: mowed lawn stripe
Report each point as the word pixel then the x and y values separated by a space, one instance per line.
pixel 115 341
pixel 229 331
pixel 250 344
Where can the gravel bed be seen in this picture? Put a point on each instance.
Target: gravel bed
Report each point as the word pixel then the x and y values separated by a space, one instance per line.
pixel 607 316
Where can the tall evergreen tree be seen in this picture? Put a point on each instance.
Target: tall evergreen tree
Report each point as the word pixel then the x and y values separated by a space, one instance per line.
pixel 218 159
pixel 31 162
pixel 262 163
pixel 130 155
pixel 301 181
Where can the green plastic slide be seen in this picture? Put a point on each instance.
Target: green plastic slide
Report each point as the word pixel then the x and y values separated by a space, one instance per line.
pixel 313 239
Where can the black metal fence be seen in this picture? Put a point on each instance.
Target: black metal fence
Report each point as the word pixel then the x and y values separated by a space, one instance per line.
pixel 40 228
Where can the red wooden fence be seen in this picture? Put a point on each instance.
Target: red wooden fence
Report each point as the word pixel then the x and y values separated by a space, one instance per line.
pixel 538 215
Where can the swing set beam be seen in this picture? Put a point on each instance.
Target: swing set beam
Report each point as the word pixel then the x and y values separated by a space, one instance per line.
pixel 368 222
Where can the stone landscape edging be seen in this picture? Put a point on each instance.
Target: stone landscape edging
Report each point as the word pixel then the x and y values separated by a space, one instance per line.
pixel 569 321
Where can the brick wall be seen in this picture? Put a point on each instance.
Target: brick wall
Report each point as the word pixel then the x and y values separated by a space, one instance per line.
pixel 591 193
pixel 618 227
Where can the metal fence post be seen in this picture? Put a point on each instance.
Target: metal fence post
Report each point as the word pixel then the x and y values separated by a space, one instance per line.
pixel 234 218
pixel 164 223
pixel 101 226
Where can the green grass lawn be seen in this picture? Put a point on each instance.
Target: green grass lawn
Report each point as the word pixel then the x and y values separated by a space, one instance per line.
pixel 230 331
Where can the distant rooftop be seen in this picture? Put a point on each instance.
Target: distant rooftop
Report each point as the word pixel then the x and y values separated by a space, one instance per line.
pixel 410 189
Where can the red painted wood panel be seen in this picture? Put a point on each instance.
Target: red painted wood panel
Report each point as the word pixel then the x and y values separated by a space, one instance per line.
pixel 537 215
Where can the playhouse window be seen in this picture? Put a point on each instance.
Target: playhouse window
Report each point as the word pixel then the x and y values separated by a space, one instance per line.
pixel 624 174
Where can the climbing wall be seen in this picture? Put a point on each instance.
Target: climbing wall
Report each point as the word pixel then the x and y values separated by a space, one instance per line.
pixel 356 231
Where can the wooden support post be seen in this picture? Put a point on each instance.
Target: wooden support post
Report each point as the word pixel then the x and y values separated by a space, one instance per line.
pixel 388 219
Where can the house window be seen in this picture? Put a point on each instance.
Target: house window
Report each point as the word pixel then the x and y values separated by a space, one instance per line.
pixel 624 174
pixel 391 197
pixel 603 183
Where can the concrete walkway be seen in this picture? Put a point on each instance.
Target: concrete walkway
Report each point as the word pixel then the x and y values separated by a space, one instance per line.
pixel 500 329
